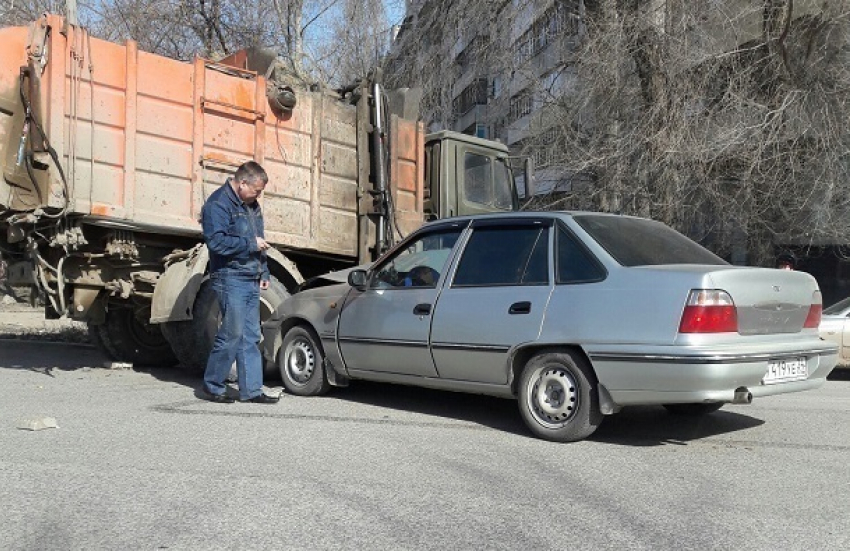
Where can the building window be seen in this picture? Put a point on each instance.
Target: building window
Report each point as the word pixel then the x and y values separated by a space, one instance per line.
pixel 472 95
pixel 546 150
pixel 561 19
pixel 496 87
pixel 522 104
pixel 472 52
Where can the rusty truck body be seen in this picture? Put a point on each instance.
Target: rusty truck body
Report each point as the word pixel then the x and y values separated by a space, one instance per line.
pixel 108 154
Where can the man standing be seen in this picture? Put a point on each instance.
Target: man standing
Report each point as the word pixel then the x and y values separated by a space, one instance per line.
pixel 233 232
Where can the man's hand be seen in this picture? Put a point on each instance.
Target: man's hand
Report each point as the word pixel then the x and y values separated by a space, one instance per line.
pixel 261 244
pixel 264 284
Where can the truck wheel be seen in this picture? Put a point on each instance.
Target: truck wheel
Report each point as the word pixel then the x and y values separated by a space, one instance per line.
pixel 193 339
pixel 557 397
pixel 126 336
pixel 301 363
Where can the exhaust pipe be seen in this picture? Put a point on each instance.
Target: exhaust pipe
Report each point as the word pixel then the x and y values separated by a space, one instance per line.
pixel 743 396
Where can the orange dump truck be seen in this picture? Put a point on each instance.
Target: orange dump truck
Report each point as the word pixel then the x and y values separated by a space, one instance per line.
pixel 107 154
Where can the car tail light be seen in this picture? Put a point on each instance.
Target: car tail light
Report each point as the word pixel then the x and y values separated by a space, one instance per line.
pixel 815 311
pixel 709 311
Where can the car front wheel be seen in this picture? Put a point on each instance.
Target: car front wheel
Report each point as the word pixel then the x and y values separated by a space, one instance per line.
pixel 301 363
pixel 557 397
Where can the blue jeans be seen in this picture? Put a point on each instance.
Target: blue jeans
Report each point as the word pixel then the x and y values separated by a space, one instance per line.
pixel 238 337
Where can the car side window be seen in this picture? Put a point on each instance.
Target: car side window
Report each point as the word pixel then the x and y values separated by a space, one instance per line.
pixel 516 255
pixel 419 264
pixel 575 264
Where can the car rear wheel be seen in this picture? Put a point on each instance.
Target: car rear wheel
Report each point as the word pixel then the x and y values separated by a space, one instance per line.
pixel 693 410
pixel 557 397
pixel 301 363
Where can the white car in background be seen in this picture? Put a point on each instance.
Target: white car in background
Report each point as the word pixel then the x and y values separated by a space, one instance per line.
pixel 835 327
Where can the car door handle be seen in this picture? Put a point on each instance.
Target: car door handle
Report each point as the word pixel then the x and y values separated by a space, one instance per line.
pixel 520 308
pixel 422 310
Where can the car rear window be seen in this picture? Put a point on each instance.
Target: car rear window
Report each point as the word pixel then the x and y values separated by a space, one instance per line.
pixel 575 265
pixel 642 242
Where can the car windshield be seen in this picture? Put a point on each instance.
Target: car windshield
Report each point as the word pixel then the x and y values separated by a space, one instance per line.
pixel 642 242
pixel 838 307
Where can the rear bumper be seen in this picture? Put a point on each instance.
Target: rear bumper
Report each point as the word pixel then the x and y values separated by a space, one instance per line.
pixel 666 375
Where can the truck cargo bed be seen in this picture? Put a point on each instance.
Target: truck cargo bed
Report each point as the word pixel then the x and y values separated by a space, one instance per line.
pixel 144 139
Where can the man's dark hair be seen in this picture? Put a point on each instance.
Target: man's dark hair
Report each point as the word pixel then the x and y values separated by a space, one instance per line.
pixel 251 172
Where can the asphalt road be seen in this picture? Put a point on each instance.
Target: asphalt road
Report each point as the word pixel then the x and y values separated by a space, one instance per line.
pixel 138 462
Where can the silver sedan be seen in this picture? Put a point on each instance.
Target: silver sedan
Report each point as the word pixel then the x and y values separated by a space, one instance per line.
pixel 575 315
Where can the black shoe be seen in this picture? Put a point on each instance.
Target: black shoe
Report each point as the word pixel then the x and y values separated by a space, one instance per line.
pixel 262 399
pixel 217 398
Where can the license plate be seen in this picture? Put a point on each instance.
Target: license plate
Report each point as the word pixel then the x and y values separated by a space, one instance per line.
pixel 782 371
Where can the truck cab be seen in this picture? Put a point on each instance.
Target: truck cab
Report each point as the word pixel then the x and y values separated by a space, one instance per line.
pixel 466 175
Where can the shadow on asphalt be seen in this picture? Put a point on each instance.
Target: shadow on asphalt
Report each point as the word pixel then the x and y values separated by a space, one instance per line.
pixel 653 426
pixel 840 374
pixel 497 413
pixel 43 357
pixel 633 426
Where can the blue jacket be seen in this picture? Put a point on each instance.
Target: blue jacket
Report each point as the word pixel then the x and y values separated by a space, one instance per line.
pixel 231 228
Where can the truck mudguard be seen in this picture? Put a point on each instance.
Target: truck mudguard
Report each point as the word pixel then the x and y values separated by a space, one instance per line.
pixel 175 292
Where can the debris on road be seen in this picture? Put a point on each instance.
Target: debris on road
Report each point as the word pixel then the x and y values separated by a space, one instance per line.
pixel 38 423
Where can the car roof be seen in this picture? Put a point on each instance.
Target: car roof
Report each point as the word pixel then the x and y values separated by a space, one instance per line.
pixel 519 215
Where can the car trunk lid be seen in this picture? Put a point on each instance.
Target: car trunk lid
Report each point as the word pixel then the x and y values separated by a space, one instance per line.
pixel 768 301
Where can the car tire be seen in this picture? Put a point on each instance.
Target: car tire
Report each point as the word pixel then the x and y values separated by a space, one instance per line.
pixel 557 397
pixel 301 363
pixel 693 410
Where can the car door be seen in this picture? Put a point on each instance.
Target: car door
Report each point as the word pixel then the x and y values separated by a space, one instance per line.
pixel 384 328
pixel 497 299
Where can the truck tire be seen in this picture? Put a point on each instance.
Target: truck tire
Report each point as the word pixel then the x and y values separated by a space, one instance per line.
pixel 193 339
pixel 126 336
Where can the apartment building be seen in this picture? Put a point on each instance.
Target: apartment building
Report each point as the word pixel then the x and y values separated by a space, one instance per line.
pixel 490 68
pixel 497 68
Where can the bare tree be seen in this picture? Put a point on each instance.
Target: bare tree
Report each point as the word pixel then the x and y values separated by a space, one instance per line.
pixel 356 41
pixel 722 140
pixel 724 119
pixel 315 38
pixel 442 43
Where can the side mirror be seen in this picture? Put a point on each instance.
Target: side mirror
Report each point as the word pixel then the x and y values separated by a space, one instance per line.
pixel 357 279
